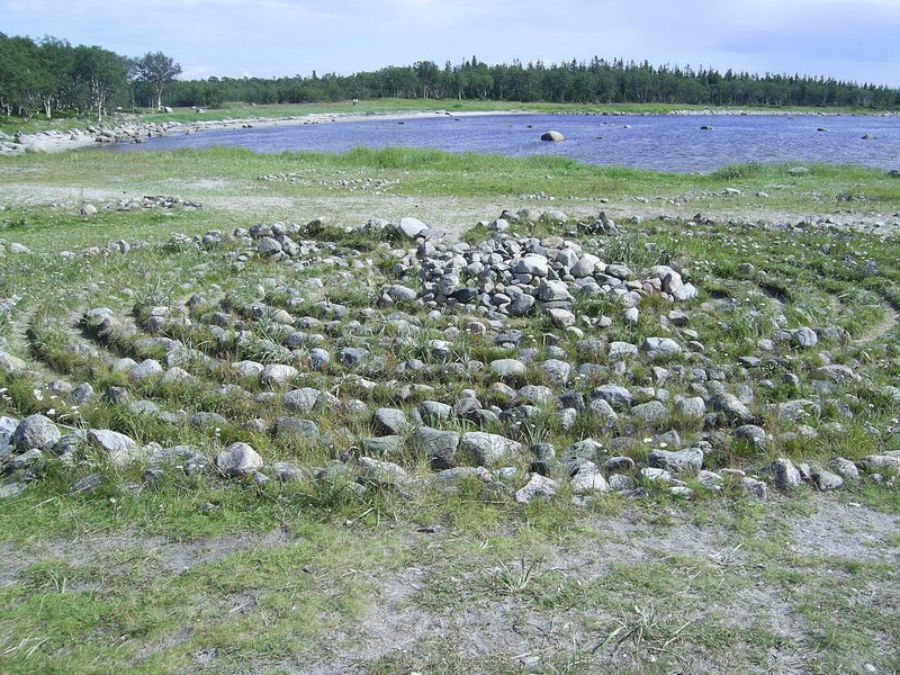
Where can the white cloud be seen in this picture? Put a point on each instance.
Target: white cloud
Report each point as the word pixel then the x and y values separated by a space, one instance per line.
pixel 848 38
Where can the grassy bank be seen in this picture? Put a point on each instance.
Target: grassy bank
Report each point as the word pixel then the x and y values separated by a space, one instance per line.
pixel 224 179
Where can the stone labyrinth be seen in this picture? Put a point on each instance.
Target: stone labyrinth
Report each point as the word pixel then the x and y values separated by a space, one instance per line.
pixel 538 358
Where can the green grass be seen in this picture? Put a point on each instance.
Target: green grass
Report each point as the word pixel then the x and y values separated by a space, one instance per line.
pixel 311 573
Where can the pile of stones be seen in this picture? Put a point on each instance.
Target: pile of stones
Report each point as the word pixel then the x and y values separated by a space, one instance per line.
pixel 657 412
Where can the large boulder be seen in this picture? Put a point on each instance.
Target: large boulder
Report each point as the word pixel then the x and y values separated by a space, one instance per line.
pixel 10 364
pixel 411 227
pixel 238 459
pixel 116 447
pixel 35 432
pixel 437 445
pixel 688 461
pixel 538 486
pixel 489 449
pixel 552 136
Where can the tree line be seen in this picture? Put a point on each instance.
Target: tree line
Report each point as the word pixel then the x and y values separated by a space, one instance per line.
pixel 596 81
pixel 51 75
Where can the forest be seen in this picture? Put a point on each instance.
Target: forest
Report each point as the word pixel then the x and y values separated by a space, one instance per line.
pixel 52 77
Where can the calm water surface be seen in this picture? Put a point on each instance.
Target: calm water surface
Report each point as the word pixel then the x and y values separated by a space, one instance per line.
pixel 663 143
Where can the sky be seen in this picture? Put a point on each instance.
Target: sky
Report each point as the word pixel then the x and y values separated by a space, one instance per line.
pixel 848 39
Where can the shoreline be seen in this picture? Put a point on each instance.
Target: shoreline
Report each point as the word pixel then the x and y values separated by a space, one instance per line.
pixel 134 132
pixel 72 139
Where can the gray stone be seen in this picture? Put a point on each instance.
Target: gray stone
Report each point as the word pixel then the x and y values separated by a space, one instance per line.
pixel 117 447
pixel 660 347
pixel 556 371
pixel 657 475
pixel 588 480
pixel 690 408
pixel 411 227
pixel 438 446
pixel 145 370
pixel 805 337
pixel 287 472
pixel 382 473
pixel 35 432
pixel 86 484
pixel 538 486
pixel 652 412
pixel 618 464
pixel 617 396
pixel 292 427
pixel 826 480
pixel 390 422
pixel 731 407
pixel 11 490
pixel 352 356
pixel 300 400
pixel 844 468
pixel 238 459
pixel 754 488
pixel 383 445
pixel 277 375
pixel 688 461
pixel 620 482
pixel 753 435
pixel 508 368
pixel 533 265
pixel 552 136
pixel 10 364
pixel 620 350
pixel 585 266
pixel 80 395
pixel 785 474
pixel 489 449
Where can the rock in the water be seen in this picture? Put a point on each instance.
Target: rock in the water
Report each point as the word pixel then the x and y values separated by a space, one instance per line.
pixel 553 136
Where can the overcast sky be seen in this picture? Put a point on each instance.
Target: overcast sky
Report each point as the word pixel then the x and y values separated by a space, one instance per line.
pixel 852 39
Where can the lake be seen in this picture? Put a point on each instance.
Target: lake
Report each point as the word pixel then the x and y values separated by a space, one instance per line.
pixel 662 143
